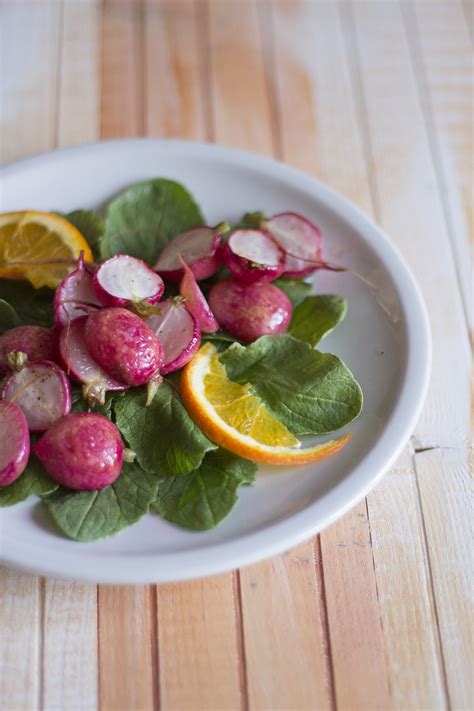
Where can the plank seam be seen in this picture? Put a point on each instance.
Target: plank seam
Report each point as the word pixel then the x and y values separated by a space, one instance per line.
pixel 324 619
pixel 240 635
pixel 41 636
pixel 98 645
pixel 267 41
pixel 140 37
pixel 202 9
pixel 59 74
pixel 154 641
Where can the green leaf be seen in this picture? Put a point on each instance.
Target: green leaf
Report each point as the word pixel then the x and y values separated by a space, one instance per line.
pixel 142 219
pixel 201 499
pixel 295 289
pixel 250 221
pixel 81 405
pixel 33 482
pixel 33 306
pixel 221 339
pixel 89 224
pixel 163 435
pixel 8 317
pixel 89 515
pixel 311 392
pixel 316 316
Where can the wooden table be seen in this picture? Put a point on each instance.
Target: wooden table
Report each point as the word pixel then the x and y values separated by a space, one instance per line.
pixel 373 97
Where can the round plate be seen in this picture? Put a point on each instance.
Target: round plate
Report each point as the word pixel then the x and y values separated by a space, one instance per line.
pixel 384 340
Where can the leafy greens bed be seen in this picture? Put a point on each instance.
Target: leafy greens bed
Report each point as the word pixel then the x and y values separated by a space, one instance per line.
pixel 179 473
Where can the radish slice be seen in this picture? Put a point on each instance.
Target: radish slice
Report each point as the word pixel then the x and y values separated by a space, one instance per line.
pixel 123 280
pixel 300 240
pixel 252 255
pixel 196 303
pixel 80 366
pixel 177 332
pixel 14 442
pixel 42 391
pixel 198 247
pixel 75 295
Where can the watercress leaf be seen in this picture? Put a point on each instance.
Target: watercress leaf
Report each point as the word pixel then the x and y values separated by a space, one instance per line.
pixel 201 499
pixel 89 515
pixel 143 218
pixel 221 339
pixel 309 391
pixel 33 482
pixel 89 224
pixel 33 306
pixel 163 435
pixel 8 317
pixel 316 316
pixel 295 289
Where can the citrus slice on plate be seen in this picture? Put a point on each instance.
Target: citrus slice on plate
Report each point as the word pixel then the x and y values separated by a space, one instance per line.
pixel 39 246
pixel 238 420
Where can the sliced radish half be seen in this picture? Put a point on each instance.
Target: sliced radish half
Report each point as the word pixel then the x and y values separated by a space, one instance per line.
pixel 75 295
pixel 80 366
pixel 300 240
pixel 252 255
pixel 14 442
pixel 198 247
pixel 42 391
pixel 196 302
pixel 177 332
pixel 124 280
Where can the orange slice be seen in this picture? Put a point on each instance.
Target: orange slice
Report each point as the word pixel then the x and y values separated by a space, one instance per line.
pixel 236 419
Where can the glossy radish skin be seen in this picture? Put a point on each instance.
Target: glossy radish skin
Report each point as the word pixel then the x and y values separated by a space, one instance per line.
pixel 249 311
pixel 75 295
pixel 177 332
pixel 38 343
pixel 196 302
pixel 42 390
pixel 14 442
pixel 80 366
pixel 124 280
pixel 82 451
pixel 300 240
pixel 123 345
pixel 252 255
pixel 198 247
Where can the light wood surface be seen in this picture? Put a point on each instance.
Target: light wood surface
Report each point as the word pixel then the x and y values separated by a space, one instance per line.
pixel 375 98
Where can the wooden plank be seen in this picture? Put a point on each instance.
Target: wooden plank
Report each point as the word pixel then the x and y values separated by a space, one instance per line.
pixel 20 640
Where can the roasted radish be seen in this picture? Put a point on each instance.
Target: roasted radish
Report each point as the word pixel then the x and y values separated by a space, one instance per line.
pixel 196 302
pixel 42 390
pixel 249 311
pixel 177 332
pixel 252 255
pixel 300 240
pixel 35 342
pixel 75 296
pixel 14 442
pixel 198 247
pixel 124 280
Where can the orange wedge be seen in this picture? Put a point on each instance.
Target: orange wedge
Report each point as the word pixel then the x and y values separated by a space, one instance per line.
pixel 39 246
pixel 236 419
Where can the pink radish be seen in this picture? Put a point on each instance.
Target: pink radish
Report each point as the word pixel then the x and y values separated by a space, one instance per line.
pixel 75 296
pixel 14 442
pixel 198 247
pixel 196 303
pixel 82 451
pixel 249 311
pixel 252 255
pixel 124 280
pixel 300 240
pixel 36 342
pixel 177 332
pixel 43 392
pixel 80 366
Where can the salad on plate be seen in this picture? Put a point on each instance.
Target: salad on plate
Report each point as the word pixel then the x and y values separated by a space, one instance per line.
pixel 149 362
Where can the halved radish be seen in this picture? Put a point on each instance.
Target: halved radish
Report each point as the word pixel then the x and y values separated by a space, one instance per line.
pixel 80 365
pixel 252 255
pixel 35 342
pixel 43 392
pixel 177 332
pixel 14 442
pixel 300 240
pixel 124 280
pixel 196 303
pixel 198 247
pixel 75 295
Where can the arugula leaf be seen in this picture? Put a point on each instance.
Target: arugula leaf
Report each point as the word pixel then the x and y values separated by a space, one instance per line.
pixel 89 515
pixel 33 482
pixel 163 435
pixel 33 306
pixel 201 499
pixel 309 391
pixel 89 224
pixel 295 289
pixel 8 317
pixel 142 219
pixel 316 316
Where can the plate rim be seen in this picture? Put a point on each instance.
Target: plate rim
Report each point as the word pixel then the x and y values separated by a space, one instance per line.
pixel 279 536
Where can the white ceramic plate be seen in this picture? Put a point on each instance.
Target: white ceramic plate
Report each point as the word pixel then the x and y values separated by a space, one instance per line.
pixel 384 341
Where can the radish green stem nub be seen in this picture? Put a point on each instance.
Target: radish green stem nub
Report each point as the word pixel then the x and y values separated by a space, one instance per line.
pixel 16 360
